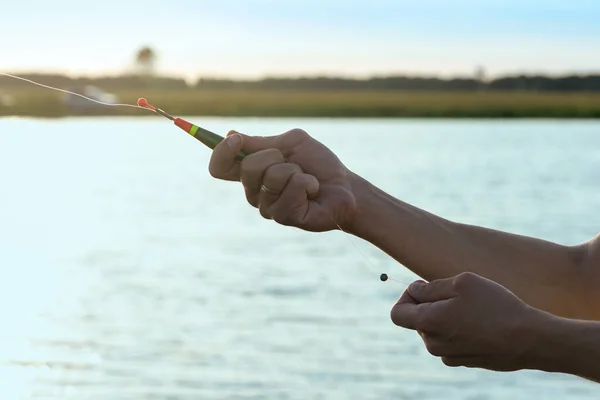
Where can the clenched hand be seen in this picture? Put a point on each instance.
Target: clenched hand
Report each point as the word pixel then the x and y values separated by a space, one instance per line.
pixel 291 178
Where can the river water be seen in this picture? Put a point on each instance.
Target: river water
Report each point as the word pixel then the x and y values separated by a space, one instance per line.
pixel 127 272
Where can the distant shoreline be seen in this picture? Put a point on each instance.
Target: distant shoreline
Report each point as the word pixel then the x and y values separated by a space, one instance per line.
pixel 38 102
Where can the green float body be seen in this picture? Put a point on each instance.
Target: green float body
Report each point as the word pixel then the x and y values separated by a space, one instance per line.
pixel 208 138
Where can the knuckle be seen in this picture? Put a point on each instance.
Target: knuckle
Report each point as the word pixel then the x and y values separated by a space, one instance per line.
pixel 213 171
pixel 292 168
pixel 278 172
pixel 252 198
pixel 433 348
pixel 465 280
pixel 213 167
pixel 250 175
pixel 248 163
pixel 218 173
pixel 264 212
pixel 257 163
pixel 451 362
pixel 297 181
pixel 273 154
pixel 298 134
pixel 395 317
pixel 272 174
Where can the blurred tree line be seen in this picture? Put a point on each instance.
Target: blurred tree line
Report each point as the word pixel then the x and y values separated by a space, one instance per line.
pixel 589 83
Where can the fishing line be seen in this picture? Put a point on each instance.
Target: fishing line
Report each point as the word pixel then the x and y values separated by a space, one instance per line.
pixel 383 277
pixel 73 93
pixel 208 138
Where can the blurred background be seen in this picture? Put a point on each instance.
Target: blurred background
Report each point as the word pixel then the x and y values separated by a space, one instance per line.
pixel 127 272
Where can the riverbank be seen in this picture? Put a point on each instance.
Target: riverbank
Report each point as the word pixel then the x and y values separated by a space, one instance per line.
pixel 335 103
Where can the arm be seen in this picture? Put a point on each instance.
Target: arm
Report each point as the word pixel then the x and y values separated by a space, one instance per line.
pixel 546 275
pixel 310 188
pixel 566 346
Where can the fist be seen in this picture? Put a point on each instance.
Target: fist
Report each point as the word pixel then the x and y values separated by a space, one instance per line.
pixel 290 178
pixel 468 321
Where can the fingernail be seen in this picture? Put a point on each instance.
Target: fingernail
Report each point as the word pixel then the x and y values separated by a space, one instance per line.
pixel 233 140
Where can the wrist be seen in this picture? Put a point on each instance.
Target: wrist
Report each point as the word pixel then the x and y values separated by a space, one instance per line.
pixel 532 332
pixel 551 343
pixel 363 192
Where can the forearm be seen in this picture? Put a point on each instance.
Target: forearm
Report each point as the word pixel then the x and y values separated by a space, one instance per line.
pixel 564 346
pixel 543 274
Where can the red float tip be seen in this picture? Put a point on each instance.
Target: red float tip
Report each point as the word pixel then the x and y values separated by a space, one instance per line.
pixel 183 124
pixel 142 102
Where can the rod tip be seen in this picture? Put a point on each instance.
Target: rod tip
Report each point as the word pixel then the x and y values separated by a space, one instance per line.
pixel 142 102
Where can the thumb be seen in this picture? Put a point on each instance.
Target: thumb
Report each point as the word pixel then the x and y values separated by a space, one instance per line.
pixel 438 290
pixel 253 144
pixel 284 142
pixel 406 298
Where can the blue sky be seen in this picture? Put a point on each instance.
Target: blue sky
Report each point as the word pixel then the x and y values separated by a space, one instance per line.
pixel 266 37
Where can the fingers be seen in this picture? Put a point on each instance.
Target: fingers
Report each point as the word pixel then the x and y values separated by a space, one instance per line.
pixel 424 317
pixel 405 312
pixel 253 169
pixel 421 305
pixel 406 298
pixel 222 163
pixel 284 142
pixel 438 290
pixel 292 207
pixel 275 179
pixel 411 315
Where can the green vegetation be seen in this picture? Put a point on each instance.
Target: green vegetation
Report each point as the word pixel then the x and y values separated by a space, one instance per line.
pixel 394 96
pixel 39 102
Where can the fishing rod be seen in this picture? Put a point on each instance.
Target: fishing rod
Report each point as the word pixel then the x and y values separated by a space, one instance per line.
pixel 206 137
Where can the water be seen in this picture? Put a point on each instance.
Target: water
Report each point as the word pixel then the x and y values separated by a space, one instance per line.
pixel 127 272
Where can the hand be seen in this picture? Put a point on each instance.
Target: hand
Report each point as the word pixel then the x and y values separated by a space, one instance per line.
pixel 305 184
pixel 468 321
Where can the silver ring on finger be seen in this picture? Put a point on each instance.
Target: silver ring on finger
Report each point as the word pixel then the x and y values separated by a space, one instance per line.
pixel 265 189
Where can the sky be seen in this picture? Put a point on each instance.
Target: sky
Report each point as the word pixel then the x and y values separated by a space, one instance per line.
pixel 253 39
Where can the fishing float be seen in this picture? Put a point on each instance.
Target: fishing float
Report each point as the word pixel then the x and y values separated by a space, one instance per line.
pixel 206 137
